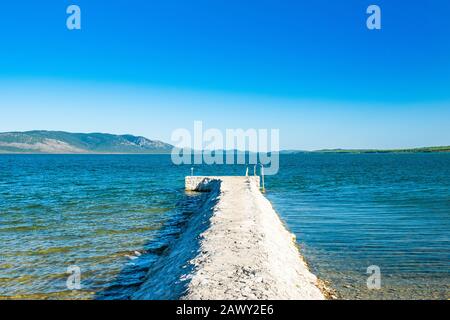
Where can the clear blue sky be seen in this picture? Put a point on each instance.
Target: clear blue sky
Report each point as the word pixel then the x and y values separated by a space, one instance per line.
pixel 310 68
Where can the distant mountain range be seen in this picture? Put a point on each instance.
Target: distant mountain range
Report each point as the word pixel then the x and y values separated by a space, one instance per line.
pixel 66 142
pixel 41 141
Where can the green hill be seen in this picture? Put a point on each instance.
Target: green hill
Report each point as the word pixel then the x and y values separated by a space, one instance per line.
pixel 66 142
pixel 410 150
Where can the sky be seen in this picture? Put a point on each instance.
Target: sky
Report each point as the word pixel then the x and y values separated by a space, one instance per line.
pixel 311 69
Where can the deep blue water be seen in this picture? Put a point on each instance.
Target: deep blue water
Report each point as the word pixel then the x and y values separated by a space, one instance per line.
pixel 112 215
pixel 351 211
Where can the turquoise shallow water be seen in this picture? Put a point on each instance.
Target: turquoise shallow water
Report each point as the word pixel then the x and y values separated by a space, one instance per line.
pixel 113 215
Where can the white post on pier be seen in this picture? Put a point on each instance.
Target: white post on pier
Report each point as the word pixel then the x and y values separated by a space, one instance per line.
pixel 192 171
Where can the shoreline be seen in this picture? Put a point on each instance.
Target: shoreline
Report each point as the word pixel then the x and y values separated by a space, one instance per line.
pixel 235 247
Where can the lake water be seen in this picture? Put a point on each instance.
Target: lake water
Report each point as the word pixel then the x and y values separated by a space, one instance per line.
pixel 113 215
